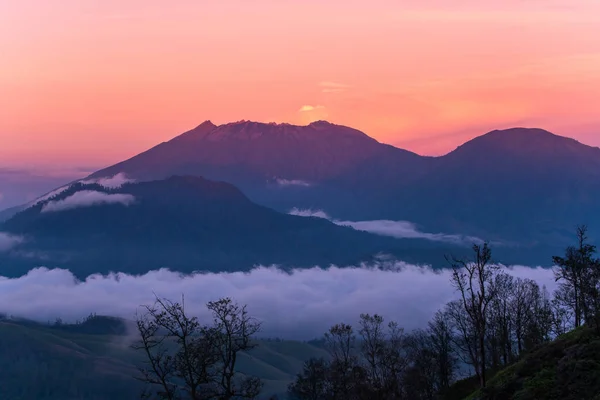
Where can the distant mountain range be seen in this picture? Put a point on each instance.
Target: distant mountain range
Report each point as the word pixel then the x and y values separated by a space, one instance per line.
pixel 513 185
pixel 217 198
pixel 186 224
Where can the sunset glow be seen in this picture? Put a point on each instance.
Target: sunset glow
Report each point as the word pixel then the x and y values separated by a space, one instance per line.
pixel 88 83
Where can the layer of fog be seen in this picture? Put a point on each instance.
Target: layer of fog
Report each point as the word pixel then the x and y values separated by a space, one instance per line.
pixel 301 304
pixel 88 198
pixel 397 229
pixel 8 241
pixel 113 182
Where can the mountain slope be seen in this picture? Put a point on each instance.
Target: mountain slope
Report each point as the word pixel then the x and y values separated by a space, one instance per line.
pixel 515 185
pixel 187 224
pixel 566 369
pixel 312 153
pixel 282 166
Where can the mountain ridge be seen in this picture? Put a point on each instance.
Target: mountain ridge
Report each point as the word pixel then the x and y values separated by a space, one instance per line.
pixel 188 224
pixel 518 184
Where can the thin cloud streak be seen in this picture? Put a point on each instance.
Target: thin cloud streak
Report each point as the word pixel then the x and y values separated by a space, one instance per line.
pixel 292 182
pixel 88 198
pixel 396 229
pixel 114 182
pixel 333 87
pixel 301 304
pixel 8 241
pixel 307 108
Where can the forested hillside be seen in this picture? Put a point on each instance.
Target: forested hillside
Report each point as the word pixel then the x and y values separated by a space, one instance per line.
pixel 498 323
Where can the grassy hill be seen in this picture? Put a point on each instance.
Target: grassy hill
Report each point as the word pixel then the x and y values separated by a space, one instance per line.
pixel 567 368
pixel 88 362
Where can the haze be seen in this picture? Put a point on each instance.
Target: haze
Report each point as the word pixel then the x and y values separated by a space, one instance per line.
pixel 87 83
pixel 302 304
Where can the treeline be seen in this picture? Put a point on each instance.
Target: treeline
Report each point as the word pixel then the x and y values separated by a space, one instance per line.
pixel 494 320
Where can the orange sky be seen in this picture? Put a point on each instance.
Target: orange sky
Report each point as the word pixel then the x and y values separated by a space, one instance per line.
pixel 88 83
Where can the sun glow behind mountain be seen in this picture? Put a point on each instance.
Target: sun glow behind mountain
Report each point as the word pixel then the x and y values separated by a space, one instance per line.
pixel 137 73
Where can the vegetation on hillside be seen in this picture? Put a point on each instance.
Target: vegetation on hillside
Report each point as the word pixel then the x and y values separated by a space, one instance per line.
pixel 497 323
pixel 567 368
pixel 94 360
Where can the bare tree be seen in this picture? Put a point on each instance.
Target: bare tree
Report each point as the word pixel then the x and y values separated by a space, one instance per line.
pixel 575 271
pixel 186 360
pixel 474 280
pixel 440 334
pixel 341 343
pixel 345 373
pixel 464 338
pixel 501 321
pixel 232 333
pixel 384 355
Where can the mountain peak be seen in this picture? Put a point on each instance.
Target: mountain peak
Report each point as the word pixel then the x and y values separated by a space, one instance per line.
pixel 198 132
pixel 516 132
pixel 252 130
pixel 206 125
pixel 526 143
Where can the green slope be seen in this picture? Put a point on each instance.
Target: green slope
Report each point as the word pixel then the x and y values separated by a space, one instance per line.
pixel 566 369
pixel 40 362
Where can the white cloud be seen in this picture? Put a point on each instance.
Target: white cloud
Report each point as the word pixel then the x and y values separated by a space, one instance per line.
pixel 397 229
pixel 302 304
pixel 114 182
pixel 8 241
pixel 49 195
pixel 88 198
pixel 333 87
pixel 307 108
pixel 310 213
pixel 292 182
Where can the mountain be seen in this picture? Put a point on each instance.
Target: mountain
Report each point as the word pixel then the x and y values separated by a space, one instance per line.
pixel 521 184
pixel 10 212
pixel 514 185
pixel 282 166
pixel 186 224
pixel 262 152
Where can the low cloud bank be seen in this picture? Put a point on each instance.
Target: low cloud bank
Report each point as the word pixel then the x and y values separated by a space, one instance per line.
pixel 397 229
pixel 114 182
pixel 302 304
pixel 88 198
pixel 7 241
pixel 50 195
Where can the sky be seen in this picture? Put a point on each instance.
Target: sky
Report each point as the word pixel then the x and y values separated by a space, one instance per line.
pixel 86 83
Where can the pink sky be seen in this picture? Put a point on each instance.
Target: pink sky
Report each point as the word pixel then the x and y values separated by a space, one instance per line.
pixel 88 83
